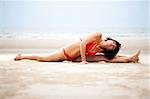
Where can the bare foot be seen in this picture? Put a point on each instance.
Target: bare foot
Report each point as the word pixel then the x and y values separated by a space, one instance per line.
pixel 18 57
pixel 135 58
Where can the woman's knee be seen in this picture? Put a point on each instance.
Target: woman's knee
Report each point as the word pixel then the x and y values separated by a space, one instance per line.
pixel 49 59
pixel 42 59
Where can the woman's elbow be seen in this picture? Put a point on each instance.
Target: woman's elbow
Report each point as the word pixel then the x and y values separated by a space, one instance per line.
pixel 99 34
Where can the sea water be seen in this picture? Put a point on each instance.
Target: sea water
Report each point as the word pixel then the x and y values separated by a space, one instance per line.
pixel 69 33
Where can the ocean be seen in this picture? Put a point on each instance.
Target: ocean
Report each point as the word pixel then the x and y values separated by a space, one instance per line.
pixel 70 33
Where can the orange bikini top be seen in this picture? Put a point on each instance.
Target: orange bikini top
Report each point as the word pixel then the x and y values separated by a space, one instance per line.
pixel 89 47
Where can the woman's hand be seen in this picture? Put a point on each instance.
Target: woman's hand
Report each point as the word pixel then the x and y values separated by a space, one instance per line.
pixel 84 62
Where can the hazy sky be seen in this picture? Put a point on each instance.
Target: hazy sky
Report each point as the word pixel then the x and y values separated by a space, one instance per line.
pixel 74 14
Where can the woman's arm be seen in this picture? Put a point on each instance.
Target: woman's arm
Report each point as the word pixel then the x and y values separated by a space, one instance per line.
pixel 85 41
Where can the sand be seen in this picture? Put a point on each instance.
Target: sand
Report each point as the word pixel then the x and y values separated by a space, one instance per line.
pixel 65 80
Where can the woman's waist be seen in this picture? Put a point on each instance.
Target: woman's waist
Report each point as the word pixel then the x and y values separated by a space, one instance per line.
pixel 72 53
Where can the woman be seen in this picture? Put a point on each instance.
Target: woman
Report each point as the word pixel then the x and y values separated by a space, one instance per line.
pixel 85 49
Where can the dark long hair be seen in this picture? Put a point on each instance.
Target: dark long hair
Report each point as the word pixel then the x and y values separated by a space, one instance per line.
pixel 110 54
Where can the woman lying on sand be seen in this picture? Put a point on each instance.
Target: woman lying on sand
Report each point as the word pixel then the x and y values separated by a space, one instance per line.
pixel 85 49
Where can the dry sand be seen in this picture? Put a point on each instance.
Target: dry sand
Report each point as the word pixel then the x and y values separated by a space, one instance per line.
pixel 65 80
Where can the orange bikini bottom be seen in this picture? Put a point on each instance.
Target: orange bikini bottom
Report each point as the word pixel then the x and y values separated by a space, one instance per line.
pixel 69 58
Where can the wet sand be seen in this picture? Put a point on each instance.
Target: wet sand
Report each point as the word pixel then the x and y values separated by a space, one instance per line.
pixel 65 80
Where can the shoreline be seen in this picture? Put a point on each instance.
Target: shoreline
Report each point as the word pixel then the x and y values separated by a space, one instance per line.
pixel 56 43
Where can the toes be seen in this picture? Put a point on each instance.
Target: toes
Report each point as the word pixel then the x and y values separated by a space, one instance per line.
pixel 138 53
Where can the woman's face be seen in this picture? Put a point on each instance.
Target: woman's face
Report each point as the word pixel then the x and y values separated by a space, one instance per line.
pixel 111 45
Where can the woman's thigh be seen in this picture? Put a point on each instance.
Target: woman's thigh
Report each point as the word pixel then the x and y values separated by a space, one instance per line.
pixel 56 56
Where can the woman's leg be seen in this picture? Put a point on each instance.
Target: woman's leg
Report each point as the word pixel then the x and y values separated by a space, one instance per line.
pixel 56 56
pixel 116 59
pixel 125 59
pixel 96 58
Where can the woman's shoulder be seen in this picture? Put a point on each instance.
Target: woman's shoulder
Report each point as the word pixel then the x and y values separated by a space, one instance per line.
pixel 97 34
pixel 94 35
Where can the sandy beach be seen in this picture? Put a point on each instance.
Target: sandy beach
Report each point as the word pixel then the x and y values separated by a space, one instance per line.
pixel 66 80
pixel 39 27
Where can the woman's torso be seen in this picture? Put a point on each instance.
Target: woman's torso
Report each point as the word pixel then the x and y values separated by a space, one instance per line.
pixel 73 49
